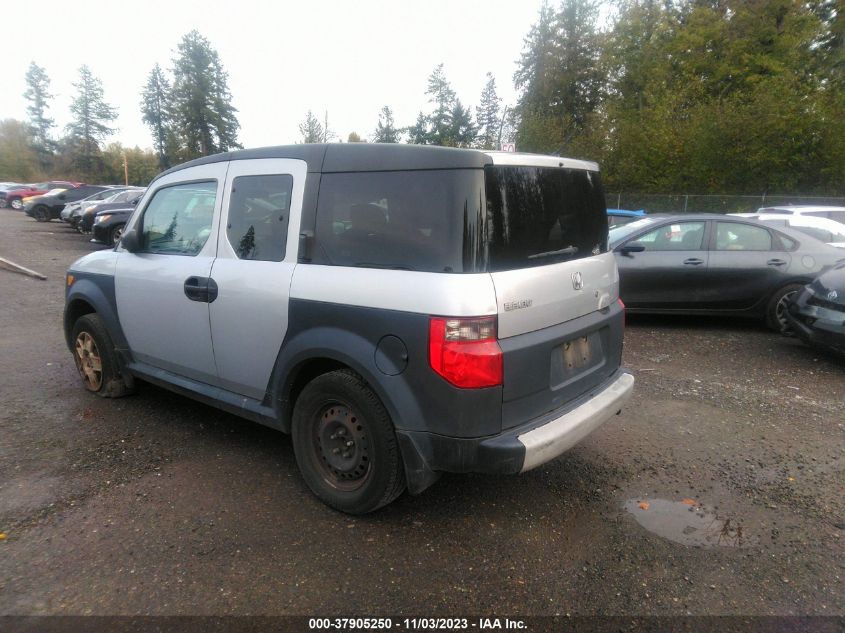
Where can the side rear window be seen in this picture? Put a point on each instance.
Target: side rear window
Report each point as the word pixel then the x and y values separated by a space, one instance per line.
pixel 543 215
pixel 406 220
pixel 257 227
pixel 178 219
pixel 733 236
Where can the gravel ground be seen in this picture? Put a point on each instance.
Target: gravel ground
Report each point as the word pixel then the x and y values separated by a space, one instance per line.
pixel 719 490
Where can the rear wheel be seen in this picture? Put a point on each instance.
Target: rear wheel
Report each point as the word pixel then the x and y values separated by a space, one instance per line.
pixel 345 444
pixel 776 310
pixel 115 234
pixel 95 358
pixel 16 204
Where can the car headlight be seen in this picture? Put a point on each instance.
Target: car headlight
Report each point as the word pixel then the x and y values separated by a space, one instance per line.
pixel 102 218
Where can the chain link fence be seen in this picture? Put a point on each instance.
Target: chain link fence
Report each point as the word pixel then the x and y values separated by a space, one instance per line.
pixel 682 203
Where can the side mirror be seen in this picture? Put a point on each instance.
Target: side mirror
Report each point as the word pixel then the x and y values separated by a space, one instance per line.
pixel 131 241
pixel 632 247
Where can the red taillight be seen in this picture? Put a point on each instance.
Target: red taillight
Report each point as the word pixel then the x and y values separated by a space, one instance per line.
pixel 465 351
pixel 624 317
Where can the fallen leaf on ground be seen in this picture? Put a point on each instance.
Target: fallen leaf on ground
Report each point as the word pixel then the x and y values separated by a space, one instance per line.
pixel 644 505
pixel 689 502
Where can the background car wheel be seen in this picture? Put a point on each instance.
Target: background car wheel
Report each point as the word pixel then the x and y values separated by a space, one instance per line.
pixel 16 204
pixel 115 234
pixel 345 444
pixel 42 214
pixel 95 358
pixel 776 310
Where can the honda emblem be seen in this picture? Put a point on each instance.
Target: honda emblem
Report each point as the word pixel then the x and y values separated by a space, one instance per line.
pixel 577 281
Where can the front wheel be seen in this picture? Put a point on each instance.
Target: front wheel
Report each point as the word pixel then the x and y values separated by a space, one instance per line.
pixel 778 304
pixel 95 358
pixel 115 234
pixel 345 444
pixel 42 214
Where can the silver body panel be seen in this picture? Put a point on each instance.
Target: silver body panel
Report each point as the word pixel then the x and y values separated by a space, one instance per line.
pixel 162 326
pixel 249 318
pixel 552 293
pixel 554 438
pixel 402 290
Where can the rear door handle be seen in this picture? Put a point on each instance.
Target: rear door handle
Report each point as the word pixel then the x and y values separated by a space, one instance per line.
pixel 693 261
pixel 776 262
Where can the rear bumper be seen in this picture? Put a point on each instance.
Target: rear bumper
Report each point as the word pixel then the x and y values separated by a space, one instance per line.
pixel 518 449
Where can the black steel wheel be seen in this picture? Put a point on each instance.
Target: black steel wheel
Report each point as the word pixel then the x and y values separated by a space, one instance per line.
pixel 345 444
pixel 41 213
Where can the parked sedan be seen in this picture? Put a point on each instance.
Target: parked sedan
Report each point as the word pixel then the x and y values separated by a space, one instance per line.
pixel 72 209
pixel 122 200
pixel 49 206
pixel 715 264
pixel 14 198
pixel 108 225
pixel 817 313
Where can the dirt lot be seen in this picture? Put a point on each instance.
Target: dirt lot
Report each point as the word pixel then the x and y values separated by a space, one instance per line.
pixel 719 490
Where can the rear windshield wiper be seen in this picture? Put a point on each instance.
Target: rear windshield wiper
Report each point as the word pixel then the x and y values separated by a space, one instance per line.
pixel 569 250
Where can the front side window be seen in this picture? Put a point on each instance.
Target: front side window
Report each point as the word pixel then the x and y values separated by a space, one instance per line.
pixel 683 236
pixel 258 216
pixel 178 219
pixel 732 236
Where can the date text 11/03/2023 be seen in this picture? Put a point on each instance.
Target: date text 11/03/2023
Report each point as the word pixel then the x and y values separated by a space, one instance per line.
pixel 416 624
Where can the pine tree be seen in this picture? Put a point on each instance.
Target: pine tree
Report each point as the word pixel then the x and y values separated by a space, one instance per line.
pixel 156 110
pixel 38 95
pixel 311 129
pixel 418 132
pixel 90 124
pixel 203 115
pixel 386 131
pixel 462 129
pixel 443 98
pixel 354 137
pixel 487 115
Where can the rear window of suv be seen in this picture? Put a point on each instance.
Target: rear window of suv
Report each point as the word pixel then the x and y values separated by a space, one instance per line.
pixel 543 215
pixel 406 220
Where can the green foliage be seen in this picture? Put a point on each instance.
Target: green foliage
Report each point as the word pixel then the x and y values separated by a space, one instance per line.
pixel 157 113
pixel 18 160
pixel 38 95
pixel 487 115
pixel 311 129
pixel 354 138
pixel 90 124
pixel 143 165
pixel 204 118
pixel 386 131
pixel 449 123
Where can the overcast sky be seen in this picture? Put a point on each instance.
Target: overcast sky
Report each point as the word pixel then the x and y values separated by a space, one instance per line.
pixel 283 58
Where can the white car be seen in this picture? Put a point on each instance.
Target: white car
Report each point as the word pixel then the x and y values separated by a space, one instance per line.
pixel 823 229
pixel 818 211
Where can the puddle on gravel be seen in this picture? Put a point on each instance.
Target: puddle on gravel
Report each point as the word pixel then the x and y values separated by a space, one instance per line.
pixel 688 522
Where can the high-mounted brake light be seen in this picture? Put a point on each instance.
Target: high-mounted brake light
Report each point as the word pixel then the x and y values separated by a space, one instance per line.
pixel 465 351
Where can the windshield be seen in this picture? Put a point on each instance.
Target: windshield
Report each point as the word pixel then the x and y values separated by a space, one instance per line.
pixel 620 233
pixel 543 215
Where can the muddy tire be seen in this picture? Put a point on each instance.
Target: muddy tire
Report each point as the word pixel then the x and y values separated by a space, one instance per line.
pixel 345 444
pixel 95 358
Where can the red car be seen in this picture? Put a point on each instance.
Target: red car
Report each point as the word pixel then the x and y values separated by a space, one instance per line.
pixel 14 197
